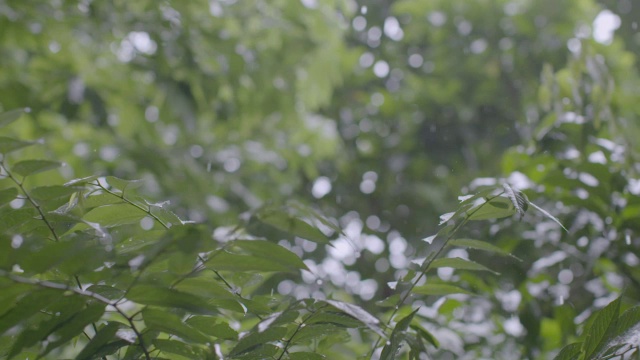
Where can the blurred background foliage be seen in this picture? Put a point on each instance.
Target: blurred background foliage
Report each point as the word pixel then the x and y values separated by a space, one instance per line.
pixel 376 113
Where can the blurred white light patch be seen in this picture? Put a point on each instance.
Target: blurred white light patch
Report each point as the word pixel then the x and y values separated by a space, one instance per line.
pixel 513 327
pixel 565 276
pixel 415 60
pixel 17 203
pixel 479 46
pixel 597 157
pixel 604 26
pixel 216 9
pixel 520 181
pixel 367 186
pixel 392 29
pixel 142 42
pixel 342 250
pixel 196 151
pixel 445 274
pixel 397 245
pixel 321 187
pixel 16 241
pixel 374 244
pixel 373 222
pixel 368 289
pixel 146 223
pixel 109 153
pixel 547 261
pixel 437 18
pixel 366 60
pixel 588 179
pixel 381 68
pixel 135 263
pixel 510 300
pixel 359 23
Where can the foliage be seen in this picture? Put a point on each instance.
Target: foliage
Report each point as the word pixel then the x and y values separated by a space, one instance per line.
pixel 291 154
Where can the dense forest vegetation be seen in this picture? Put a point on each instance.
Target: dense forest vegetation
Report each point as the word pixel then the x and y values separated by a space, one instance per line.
pixel 319 179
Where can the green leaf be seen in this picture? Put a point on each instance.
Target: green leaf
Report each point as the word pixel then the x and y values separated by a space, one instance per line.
pixel 290 224
pixel 311 213
pixel 178 348
pixel 256 255
pixel 466 202
pixel 205 286
pixel 359 313
pixel 109 292
pixel 8 144
pixel 305 356
pixel 481 245
pixel 273 252
pixel 213 327
pixel 64 309
pixel 94 201
pixel 313 332
pixel 73 255
pixel 460 264
pixel 545 213
pixel 334 318
pixel 75 325
pixel 602 329
pixel 167 217
pixel 440 289
pixel 160 296
pixel 518 199
pixel 8 195
pixel 112 215
pixel 256 339
pixel 170 323
pixel 495 208
pixel 390 301
pixel 628 323
pixel 123 185
pixel 234 262
pixel 51 192
pixel 12 219
pixel 9 294
pixel 570 352
pixel 30 167
pixel 10 116
pixel 484 193
pixel 425 334
pixel 26 307
pixel 390 350
pixel 82 181
pixel 626 334
pixel 99 340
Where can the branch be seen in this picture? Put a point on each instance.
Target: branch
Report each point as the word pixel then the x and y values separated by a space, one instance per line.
pixel 80 292
pixel 427 264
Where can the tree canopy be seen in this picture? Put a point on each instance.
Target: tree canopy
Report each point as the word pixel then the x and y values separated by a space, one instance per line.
pixel 319 179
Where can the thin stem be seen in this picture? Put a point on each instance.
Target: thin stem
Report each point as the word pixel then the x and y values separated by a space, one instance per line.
pixel 302 323
pixel 45 220
pixel 142 208
pixel 80 292
pixel 427 264
pixel 31 200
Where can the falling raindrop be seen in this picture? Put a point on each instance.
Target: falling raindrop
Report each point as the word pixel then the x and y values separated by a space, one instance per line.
pixel 627 239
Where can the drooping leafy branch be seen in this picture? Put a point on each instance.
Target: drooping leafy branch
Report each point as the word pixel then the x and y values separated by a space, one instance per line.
pixel 145 283
pixel 92 269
